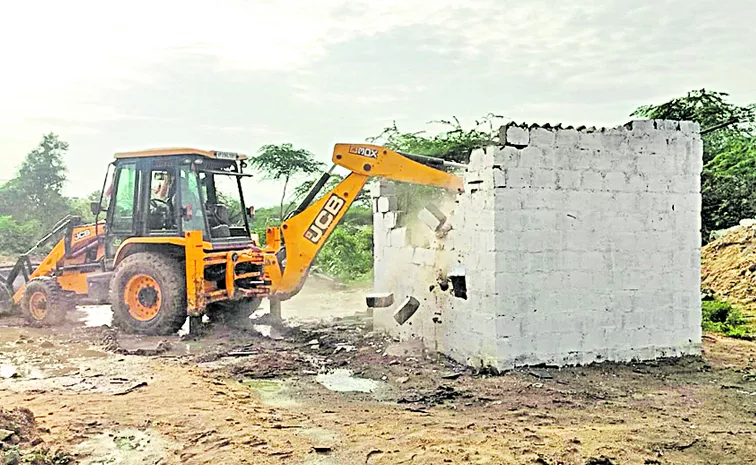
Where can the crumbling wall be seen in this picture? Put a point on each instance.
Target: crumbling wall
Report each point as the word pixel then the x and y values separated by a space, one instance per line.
pixel 576 246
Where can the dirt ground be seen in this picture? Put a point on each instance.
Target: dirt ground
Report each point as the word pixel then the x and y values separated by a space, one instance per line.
pixel 335 392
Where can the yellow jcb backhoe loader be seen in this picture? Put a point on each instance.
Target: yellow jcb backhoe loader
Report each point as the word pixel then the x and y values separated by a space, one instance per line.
pixel 167 249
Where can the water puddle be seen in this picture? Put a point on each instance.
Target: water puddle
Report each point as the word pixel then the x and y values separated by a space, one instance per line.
pixel 271 392
pixel 344 381
pixel 127 447
pixel 96 315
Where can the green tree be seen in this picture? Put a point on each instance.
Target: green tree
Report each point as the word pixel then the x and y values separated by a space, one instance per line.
pixel 728 180
pixel 17 237
pixel 709 109
pixel 284 162
pixel 454 143
pixel 35 192
pixel 348 254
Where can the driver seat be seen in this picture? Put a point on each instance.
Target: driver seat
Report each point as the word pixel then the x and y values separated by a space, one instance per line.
pixel 220 221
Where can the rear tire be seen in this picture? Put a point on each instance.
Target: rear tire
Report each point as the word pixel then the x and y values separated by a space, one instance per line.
pixel 44 302
pixel 234 313
pixel 148 294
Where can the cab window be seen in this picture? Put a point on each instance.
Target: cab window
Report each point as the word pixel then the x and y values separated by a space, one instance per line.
pixel 124 200
pixel 191 211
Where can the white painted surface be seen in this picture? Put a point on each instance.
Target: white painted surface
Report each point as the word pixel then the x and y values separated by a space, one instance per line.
pixel 582 246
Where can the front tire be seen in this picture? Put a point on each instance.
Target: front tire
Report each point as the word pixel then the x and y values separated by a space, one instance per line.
pixel 44 302
pixel 148 294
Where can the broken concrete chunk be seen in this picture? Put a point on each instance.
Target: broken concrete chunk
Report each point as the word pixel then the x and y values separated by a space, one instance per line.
pixel 432 217
pixel 380 300
pixel 406 310
pixel 5 434
pixel 389 220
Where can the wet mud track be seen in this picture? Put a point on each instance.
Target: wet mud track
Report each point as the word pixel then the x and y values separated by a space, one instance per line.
pixel 337 393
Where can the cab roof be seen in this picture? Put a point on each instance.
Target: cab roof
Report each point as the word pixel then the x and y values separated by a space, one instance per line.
pixel 181 151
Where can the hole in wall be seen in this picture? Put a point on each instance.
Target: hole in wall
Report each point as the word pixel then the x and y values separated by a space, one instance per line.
pixel 459 286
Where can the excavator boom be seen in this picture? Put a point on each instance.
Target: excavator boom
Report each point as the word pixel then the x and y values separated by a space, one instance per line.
pixel 292 247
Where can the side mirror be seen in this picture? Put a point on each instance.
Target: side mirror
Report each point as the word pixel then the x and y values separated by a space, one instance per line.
pixel 251 213
pixel 95 208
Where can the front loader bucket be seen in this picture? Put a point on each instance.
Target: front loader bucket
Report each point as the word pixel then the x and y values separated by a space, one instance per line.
pixel 6 298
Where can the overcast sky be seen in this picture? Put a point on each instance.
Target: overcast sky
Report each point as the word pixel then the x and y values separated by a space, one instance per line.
pixel 234 75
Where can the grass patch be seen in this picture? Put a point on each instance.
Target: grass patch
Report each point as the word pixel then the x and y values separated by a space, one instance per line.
pixel 721 317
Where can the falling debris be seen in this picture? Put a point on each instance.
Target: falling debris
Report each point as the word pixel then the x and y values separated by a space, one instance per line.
pixel 432 217
pixel 380 300
pixel 406 310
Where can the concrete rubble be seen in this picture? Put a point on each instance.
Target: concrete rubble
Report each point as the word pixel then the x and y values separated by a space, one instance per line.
pixel 573 246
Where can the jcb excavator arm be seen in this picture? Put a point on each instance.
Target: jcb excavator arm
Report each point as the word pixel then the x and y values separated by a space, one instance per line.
pixel 292 247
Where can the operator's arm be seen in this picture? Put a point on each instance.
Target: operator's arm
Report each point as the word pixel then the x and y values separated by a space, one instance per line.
pixel 305 233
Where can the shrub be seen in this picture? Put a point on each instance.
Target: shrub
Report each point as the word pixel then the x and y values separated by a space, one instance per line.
pixel 721 317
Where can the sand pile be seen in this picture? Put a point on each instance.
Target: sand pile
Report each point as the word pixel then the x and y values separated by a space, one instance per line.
pixel 728 267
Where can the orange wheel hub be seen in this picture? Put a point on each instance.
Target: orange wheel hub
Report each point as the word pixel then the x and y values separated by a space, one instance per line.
pixel 143 296
pixel 38 306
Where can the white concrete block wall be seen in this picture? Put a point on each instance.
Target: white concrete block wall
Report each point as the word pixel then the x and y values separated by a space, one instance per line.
pixel 578 246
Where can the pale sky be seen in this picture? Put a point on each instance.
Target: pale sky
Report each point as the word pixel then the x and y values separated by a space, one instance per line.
pixel 234 75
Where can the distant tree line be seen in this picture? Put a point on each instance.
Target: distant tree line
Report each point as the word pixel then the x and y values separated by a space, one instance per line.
pixel 32 201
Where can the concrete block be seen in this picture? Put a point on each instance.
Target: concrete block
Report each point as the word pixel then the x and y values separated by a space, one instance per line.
pixel 379 299
pixel 590 140
pixel 615 181
pixel 643 127
pixel 669 125
pixel 432 217
pixel 481 159
pixel 560 158
pixel 540 137
pixel 531 157
pixel 507 200
pixel 689 127
pixel 386 204
pixel 515 136
pixel 519 177
pixel 389 220
pixel 592 181
pixel 540 220
pixel 568 179
pixel 398 237
pixel 423 256
pixel 566 138
pixel 544 178
pixel 406 310
pixel 499 178
pixel 382 188
pixel 506 157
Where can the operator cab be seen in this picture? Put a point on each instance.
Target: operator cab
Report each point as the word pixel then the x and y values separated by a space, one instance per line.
pixel 168 192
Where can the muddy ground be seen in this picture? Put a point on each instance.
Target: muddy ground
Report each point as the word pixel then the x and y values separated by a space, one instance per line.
pixel 334 392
